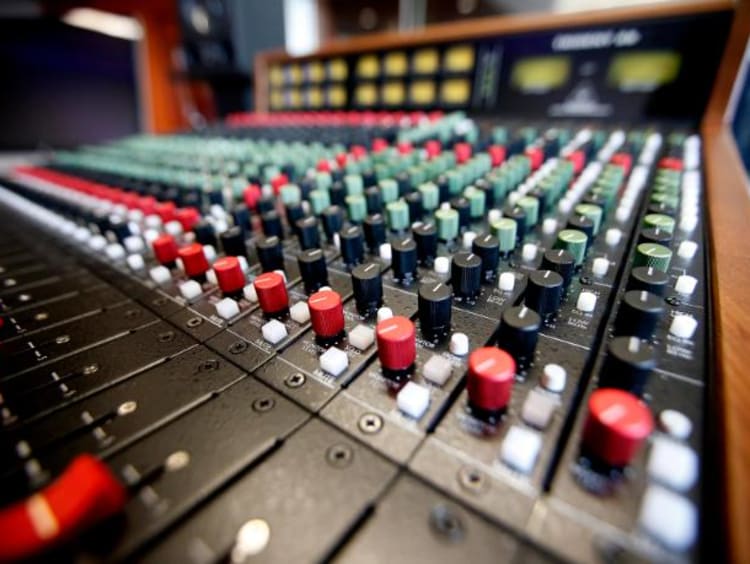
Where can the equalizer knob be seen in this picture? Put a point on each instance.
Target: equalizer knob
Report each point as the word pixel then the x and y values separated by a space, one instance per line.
pixel 519 332
pixel 374 226
pixel 487 248
pixel 367 284
pixel 271 224
pixel 229 275
pixel 628 364
pixel 435 301
pixel 326 314
pixel 489 381
pixel 333 220
pixel 233 242
pixel 404 259
pixel 649 279
pixel 165 249
pixel 270 253
pixel 352 247
pixel 194 260
pixel 560 261
pixel 308 233
pixel 396 340
pixel 639 313
pixel 425 235
pixel 466 275
pixel 544 292
pixel 617 425
pixel 313 269
pixel 271 291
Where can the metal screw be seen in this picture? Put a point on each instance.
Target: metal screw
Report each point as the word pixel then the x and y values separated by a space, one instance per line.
pixel 295 380
pixel 194 322
pixel 472 479
pixel 90 369
pixel 127 408
pixel 166 336
pixel 41 316
pixel 446 523
pixel 159 301
pixel 264 404
pixel 238 347
pixel 370 423
pixel 209 365
pixel 131 313
pixel 62 339
pixel 339 456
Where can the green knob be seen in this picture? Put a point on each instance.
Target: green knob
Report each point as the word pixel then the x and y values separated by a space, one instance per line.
pixel 323 180
pixel 455 180
pixel 398 215
pixel 654 255
pixel 505 230
pixel 354 184
pixel 447 223
pixel 290 194
pixel 357 206
pixel 388 190
pixel 668 199
pixel 430 196
pixel 530 205
pixel 476 201
pixel 593 212
pixel 659 221
pixel 319 200
pixel 575 242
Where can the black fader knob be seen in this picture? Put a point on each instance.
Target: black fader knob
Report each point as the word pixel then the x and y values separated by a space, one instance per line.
pixel 204 233
pixel 367 284
pixel 269 253
pixel 352 245
pixel 639 313
pixel 544 292
pixel 628 364
pixel 487 248
pixel 233 242
pixel 333 221
pixel 649 279
pixel 271 223
pixel 466 275
pixel 313 269
pixel 435 300
pixel 404 259
pixel 560 261
pixel 374 226
pixel 294 212
pixel 425 235
pixel 374 200
pixel 519 332
pixel 308 233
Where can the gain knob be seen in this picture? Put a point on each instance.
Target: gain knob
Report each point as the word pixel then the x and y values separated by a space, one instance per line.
pixel 368 288
pixel 194 261
pixel 352 247
pixel 271 291
pixel 519 332
pixel 628 364
pixel 233 242
pixel 487 248
pixel 404 259
pixel 397 349
pixel 229 275
pixel 560 261
pixel 639 313
pixel 269 253
pixel 489 382
pixel 435 301
pixel 544 292
pixel 466 275
pixel 313 269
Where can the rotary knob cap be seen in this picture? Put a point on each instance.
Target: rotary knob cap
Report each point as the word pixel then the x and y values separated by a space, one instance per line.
pixel 229 275
pixel 544 292
pixel 271 291
pixel 326 313
pixel 367 284
pixel 194 260
pixel 396 339
pixel 490 379
pixel 313 269
pixel 270 253
pixel 617 424
pixel 466 275
pixel 165 249
pixel 435 301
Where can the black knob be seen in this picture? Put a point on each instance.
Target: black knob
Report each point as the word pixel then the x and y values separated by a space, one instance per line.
pixel 308 233
pixel 466 275
pixel 352 247
pixel 518 333
pixel 269 253
pixel 435 301
pixel 404 183
pixel 271 223
pixel 487 248
pixel 374 200
pixel 204 233
pixel 338 193
pixel 655 235
pixel 233 242
pixel 489 192
pixel 368 288
pixel 404 259
pixel 628 364
pixel 294 212
pixel 639 313
pixel 582 223
pixel 313 269
pixel 414 201
pixel 266 204
pixel 662 208
pixel 544 292
pixel 241 216
pixel 374 226
pixel 425 235
pixel 463 207
pixel 444 188
pixel 516 213
pixel 560 261
pixel 649 279
pixel 333 221
pixel 119 227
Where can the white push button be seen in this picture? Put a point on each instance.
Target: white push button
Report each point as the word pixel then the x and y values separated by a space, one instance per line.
pixel 528 252
pixel 683 326
pixel 334 361
pixel 686 284
pixel 362 337
pixel 600 266
pixel 250 293
pixel 669 518
pixel 687 249
pixel 135 262
pixel 675 424
pixel 538 409
pixel 413 400
pixel 586 302
pixel 384 313
pixel 507 281
pixel 468 239
pixel 437 370
pixel 227 308
pixel 174 228
pixel 115 252
pixel 385 252
pixel 300 312
pixel 553 378
pixel 134 244
pixel 274 331
pixel 97 242
pixel 190 290
pixel 613 236
pixel 459 344
pixel 549 226
pixel 673 464
pixel 160 274
pixel 442 265
pixel 520 449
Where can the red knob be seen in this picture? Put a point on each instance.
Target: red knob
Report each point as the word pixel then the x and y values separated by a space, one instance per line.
pixel 251 195
pixel 278 181
pixel 433 148
pixel 379 144
pixel 326 313
pixel 625 160
pixel 536 156
pixel 578 159
pixel 229 274
pixel 462 151
pixel 165 249
pixel 271 291
pixel 165 210
pixel 672 163
pixel 497 154
pixel 617 424
pixel 489 383
pixel 187 217
pixel 397 347
pixel 193 259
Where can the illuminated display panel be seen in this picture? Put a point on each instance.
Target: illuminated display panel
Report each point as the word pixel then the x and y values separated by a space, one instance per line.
pixel 315 71
pixel 368 66
pixel 539 75
pixel 422 92
pixel 395 64
pixel 459 58
pixel 425 61
pixel 337 96
pixel 338 69
pixel 455 91
pixel 643 71
pixel 314 97
pixel 366 94
pixel 393 94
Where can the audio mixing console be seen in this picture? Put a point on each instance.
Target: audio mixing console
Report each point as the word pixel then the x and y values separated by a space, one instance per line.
pixel 375 337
